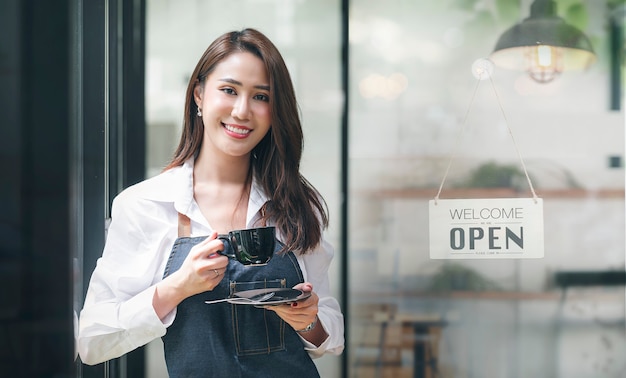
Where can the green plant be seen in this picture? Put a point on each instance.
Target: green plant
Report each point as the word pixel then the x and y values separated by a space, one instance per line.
pixel 456 277
pixel 492 175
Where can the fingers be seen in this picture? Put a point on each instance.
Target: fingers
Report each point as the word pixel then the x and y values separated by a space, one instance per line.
pixel 206 262
pixel 307 306
pixel 312 300
pixel 298 314
pixel 208 248
pixel 213 271
pixel 218 272
pixel 304 286
pixel 209 238
pixel 212 268
pixel 301 313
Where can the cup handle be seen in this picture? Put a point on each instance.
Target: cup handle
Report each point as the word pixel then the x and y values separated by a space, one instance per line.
pixel 223 252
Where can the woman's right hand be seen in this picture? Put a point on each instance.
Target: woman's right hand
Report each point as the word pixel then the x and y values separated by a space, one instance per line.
pixel 202 270
pixel 204 267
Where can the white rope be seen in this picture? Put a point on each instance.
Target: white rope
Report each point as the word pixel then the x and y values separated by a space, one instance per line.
pixel 530 184
pixel 454 151
pixel 458 141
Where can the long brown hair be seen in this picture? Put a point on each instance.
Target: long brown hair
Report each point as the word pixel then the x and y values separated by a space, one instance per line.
pixel 295 206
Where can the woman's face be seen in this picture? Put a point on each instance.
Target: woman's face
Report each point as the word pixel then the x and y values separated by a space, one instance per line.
pixel 235 104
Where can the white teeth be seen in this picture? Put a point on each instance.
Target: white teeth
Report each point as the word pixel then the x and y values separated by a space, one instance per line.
pixel 236 130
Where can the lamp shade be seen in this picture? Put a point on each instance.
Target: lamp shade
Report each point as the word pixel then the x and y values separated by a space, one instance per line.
pixel 543 44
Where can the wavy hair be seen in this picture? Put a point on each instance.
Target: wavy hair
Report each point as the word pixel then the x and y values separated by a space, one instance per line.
pixel 295 206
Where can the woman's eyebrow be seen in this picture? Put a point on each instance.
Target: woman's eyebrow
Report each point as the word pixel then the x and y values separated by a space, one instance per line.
pixel 236 82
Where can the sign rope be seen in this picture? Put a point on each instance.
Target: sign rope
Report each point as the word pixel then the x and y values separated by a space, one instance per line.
pixel 482 72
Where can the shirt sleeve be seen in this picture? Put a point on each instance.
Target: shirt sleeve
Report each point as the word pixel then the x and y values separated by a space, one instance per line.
pixel 117 315
pixel 315 266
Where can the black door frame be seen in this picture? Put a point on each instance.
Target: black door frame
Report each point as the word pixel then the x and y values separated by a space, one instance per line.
pixel 35 300
pixel 108 138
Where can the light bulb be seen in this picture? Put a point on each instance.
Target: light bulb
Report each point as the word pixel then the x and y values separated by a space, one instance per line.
pixel 543 62
pixel 544 56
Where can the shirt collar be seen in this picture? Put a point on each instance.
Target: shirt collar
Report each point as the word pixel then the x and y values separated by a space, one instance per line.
pixel 255 202
pixel 183 182
pixel 176 185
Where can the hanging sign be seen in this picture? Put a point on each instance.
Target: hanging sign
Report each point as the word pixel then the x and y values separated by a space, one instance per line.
pixel 498 228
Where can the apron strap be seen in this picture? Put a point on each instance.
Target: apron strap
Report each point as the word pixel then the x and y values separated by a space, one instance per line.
pixel 184 226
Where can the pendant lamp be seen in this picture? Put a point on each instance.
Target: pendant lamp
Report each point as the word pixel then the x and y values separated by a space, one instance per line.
pixel 543 45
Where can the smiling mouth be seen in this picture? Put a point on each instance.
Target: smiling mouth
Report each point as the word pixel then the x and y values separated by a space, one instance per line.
pixel 237 130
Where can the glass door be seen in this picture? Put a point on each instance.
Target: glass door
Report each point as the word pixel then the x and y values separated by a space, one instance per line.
pixel 416 106
pixel 308 34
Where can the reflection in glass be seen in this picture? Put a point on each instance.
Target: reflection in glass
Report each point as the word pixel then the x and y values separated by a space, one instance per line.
pixel 413 316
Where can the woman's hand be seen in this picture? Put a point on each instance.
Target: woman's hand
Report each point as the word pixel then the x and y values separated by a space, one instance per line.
pixel 299 315
pixel 202 270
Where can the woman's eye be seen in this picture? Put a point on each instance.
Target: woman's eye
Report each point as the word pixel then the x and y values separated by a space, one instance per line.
pixel 262 97
pixel 229 91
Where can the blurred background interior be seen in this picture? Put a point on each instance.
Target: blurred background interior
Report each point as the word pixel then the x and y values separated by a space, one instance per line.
pixel 93 94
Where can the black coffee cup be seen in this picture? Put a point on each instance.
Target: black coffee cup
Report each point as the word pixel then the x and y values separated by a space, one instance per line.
pixel 252 246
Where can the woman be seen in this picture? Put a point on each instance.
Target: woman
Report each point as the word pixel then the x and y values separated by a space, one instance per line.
pixel 236 167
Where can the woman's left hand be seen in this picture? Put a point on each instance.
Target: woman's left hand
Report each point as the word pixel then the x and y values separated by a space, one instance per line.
pixel 302 313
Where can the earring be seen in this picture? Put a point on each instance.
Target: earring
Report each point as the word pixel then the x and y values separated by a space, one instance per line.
pixel 199 112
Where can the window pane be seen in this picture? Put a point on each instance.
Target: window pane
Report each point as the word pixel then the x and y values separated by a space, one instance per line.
pixel 415 104
pixel 307 32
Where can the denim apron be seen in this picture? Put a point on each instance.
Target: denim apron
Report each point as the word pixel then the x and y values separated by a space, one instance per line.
pixel 227 340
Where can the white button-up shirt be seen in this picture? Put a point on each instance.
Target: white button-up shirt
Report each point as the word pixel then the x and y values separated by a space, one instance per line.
pixel 117 314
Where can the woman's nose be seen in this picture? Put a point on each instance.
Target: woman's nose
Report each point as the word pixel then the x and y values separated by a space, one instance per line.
pixel 241 108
